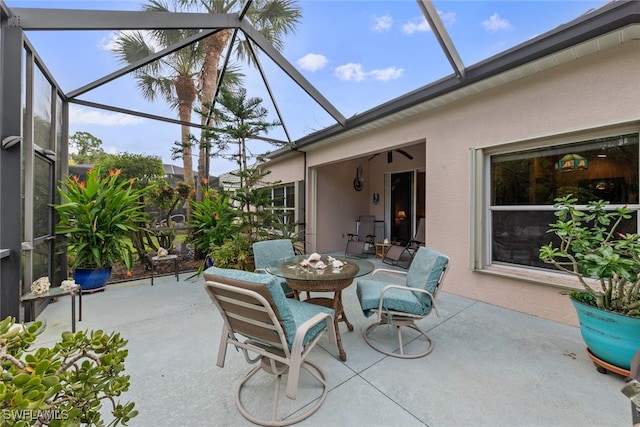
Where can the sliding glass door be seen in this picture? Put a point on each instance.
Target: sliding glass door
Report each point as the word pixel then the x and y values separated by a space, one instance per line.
pixel 406 204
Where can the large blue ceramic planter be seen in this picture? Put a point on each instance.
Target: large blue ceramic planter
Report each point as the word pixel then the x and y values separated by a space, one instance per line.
pixel 91 279
pixel 611 337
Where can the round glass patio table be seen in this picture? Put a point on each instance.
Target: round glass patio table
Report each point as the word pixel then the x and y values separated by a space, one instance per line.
pixel 309 279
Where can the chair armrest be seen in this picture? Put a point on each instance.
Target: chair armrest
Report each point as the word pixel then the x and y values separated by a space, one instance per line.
pixel 387 270
pixel 407 288
pixel 302 330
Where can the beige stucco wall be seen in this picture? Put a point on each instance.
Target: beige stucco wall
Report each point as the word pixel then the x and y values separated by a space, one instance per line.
pixel 585 94
pixel 286 169
pixel 593 92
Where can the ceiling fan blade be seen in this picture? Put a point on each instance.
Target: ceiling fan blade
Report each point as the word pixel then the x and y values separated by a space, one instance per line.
pixel 404 153
pixel 389 156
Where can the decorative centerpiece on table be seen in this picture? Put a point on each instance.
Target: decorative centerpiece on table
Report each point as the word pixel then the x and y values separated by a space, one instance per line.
pixel 97 217
pixel 314 261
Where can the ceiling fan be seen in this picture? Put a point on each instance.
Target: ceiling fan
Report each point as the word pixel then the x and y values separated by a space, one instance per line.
pixel 390 155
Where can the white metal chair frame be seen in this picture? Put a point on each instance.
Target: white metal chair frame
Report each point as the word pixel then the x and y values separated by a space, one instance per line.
pixel 274 356
pixel 400 319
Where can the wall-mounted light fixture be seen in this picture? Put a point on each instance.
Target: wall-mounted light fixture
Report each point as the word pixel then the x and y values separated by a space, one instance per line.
pixel 10 141
pixel 376 198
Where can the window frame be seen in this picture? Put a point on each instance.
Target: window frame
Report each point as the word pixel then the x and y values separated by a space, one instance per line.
pixel 481 209
pixel 281 209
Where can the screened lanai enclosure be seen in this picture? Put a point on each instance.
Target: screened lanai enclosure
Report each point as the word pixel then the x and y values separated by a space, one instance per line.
pixel 34 123
pixel 479 154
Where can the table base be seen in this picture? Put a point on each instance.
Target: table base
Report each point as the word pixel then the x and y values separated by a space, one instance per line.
pixel 335 303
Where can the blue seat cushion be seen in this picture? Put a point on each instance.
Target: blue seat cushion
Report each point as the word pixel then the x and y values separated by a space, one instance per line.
pixel 303 311
pixel 290 312
pixel 368 292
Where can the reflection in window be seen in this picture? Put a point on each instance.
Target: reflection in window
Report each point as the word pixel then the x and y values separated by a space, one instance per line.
pixel 42 111
pixel 42 197
pixel 525 184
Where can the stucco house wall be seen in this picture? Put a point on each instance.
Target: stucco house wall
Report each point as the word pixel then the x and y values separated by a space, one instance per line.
pixel 600 91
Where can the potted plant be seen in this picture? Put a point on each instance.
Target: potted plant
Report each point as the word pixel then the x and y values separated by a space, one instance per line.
pixel 97 217
pixel 606 263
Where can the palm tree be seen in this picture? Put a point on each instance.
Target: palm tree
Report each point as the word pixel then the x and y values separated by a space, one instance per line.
pixel 172 77
pixel 180 76
pixel 274 19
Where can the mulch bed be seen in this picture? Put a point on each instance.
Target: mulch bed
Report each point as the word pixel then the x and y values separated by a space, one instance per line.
pixel 142 271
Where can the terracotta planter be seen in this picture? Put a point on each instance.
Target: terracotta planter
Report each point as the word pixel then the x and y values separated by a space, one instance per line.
pixel 611 337
pixel 92 279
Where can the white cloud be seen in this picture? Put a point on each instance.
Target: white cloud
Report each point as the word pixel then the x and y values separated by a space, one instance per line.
pixel 355 72
pixel 83 116
pixel 108 43
pixel 448 18
pixel 495 24
pixel 382 23
pixel 387 74
pixel 312 62
pixel 350 71
pixel 419 24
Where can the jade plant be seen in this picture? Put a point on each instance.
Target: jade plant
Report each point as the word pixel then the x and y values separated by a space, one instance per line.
pixel 605 261
pixel 63 385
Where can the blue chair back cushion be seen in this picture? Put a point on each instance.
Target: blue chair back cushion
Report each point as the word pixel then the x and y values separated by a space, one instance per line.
pixel 425 271
pixel 292 313
pixel 267 251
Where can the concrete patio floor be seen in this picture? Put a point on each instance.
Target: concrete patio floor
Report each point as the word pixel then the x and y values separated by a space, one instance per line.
pixel 489 367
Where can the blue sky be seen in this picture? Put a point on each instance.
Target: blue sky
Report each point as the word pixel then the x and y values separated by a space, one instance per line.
pixel 358 54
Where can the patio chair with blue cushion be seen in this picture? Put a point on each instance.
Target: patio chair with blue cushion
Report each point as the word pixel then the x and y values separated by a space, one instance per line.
pixel 275 333
pixel 267 251
pixel 400 306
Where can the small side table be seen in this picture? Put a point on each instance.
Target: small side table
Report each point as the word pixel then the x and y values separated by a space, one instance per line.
pixel 31 298
pixel 157 259
pixel 381 249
